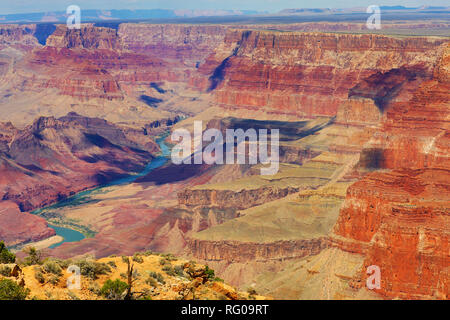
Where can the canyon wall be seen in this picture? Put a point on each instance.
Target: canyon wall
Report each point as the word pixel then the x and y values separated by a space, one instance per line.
pixel 399 219
pixel 239 252
pixel 123 74
pixel 232 199
pixel 18 37
pixel 133 55
pixel 306 74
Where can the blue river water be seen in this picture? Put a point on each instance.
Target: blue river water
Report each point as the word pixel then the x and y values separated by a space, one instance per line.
pixel 84 197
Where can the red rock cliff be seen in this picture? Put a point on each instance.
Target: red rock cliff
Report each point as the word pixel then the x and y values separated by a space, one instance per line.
pixel 400 218
pixel 308 74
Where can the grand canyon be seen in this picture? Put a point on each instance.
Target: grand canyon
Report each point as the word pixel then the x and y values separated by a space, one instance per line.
pixel 364 164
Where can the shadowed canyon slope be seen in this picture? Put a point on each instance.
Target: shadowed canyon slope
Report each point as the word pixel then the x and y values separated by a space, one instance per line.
pixel 54 158
pixel 363 174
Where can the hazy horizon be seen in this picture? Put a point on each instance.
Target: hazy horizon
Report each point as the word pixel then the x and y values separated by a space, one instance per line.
pixel 271 6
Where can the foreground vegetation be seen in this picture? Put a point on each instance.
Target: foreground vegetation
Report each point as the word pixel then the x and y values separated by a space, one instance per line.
pixel 144 276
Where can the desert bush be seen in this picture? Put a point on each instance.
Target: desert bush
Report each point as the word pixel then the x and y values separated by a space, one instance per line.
pixel 39 275
pixel 169 270
pixel 5 271
pixel 94 288
pixel 179 270
pixel 164 261
pixel 5 255
pixel 113 290
pixel 124 259
pixel 112 264
pixel 64 264
pixel 158 276
pixel 9 290
pixel 52 267
pixel 138 258
pixel 34 257
pixel 92 269
pixel 170 257
pixel 54 279
pixel 210 273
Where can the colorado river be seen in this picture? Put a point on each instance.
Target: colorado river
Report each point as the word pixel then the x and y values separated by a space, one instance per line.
pixel 71 235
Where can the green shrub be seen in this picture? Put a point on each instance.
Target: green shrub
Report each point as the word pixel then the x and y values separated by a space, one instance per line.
pixel 94 288
pixel 112 264
pixel 125 259
pixel 210 273
pixel 9 290
pixel 52 267
pixel 54 279
pixel 138 258
pixel 5 271
pixel 92 269
pixel 34 257
pixel 170 257
pixel 158 276
pixel 164 261
pixel 179 271
pixel 169 270
pixel 5 255
pixel 64 264
pixel 113 290
pixel 38 275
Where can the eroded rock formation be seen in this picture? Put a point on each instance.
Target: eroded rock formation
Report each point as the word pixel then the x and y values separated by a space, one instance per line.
pixel 54 158
pixel 307 74
pixel 400 218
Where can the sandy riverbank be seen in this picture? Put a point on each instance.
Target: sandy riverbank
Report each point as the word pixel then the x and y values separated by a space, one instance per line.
pixel 43 244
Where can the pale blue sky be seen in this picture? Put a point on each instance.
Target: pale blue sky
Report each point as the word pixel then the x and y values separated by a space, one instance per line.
pixel 21 6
